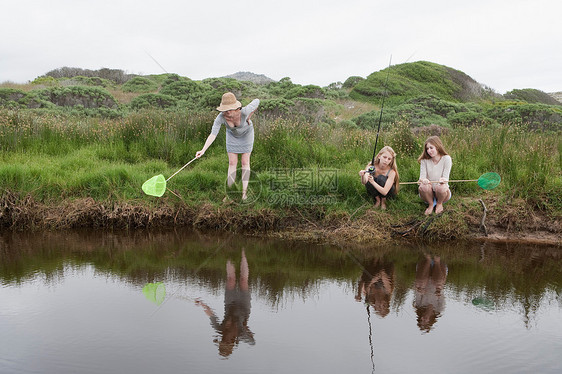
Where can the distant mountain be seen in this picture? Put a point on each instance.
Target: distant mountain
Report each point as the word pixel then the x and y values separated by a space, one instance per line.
pixel 250 77
pixel 556 96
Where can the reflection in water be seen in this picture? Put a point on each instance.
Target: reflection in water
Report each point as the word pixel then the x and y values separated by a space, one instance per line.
pixel 505 301
pixel 429 299
pixel 155 292
pixel 376 285
pixel 234 326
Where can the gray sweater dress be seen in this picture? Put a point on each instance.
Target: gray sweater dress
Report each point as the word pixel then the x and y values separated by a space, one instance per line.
pixel 238 139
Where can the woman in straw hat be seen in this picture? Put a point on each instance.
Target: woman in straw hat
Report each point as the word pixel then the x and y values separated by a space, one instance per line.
pixel 239 136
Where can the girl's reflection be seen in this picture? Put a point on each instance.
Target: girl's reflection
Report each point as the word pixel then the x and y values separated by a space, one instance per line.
pixel 429 300
pixel 234 327
pixel 376 286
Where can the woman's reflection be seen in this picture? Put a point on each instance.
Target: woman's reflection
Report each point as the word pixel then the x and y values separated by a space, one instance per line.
pixel 234 327
pixel 376 286
pixel 429 300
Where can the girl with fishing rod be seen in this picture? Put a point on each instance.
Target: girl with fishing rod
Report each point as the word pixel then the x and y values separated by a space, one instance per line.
pixel 380 177
pixel 239 136
pixel 435 167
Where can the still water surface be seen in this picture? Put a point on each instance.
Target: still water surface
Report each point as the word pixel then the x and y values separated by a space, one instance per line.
pixel 187 302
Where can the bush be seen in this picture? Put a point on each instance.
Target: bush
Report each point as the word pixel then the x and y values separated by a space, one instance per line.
pixel 184 89
pixel 46 81
pixel 309 91
pixel 86 81
pixel 536 116
pixel 532 96
pixel 11 96
pixel 115 75
pixel 352 81
pixel 153 100
pixel 140 84
pixel 86 97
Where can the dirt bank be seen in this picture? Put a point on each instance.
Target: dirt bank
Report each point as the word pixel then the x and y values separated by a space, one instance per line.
pixel 513 222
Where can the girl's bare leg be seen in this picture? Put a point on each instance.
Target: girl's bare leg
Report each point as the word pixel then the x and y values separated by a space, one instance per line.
pixel 441 195
pixel 426 193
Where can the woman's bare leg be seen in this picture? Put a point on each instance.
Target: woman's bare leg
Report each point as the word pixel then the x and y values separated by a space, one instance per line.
pixel 232 163
pixel 245 160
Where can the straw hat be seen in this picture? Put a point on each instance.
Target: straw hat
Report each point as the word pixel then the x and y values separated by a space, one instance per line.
pixel 228 102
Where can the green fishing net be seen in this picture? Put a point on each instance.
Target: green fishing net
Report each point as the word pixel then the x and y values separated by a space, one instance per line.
pixel 489 181
pixel 155 186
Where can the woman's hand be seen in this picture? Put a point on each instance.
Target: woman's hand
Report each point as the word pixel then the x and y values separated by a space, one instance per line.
pixel 361 172
pixel 442 180
pixel 200 153
pixel 425 181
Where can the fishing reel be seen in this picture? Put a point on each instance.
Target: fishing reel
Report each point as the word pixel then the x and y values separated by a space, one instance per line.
pixel 370 170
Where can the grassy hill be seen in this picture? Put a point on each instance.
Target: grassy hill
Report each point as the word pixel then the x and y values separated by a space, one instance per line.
pixel 406 81
pixel 422 93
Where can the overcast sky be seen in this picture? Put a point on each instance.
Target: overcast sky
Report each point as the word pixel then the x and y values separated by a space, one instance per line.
pixel 504 44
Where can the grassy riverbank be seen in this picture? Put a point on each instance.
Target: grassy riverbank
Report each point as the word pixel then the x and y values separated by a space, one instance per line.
pixel 302 174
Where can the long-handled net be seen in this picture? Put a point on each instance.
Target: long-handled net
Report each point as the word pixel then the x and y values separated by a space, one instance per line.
pixel 156 186
pixel 487 181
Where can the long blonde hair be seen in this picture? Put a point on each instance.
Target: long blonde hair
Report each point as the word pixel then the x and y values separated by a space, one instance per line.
pixel 436 142
pixel 392 166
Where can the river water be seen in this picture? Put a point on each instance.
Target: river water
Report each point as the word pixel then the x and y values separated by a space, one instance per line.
pixel 187 302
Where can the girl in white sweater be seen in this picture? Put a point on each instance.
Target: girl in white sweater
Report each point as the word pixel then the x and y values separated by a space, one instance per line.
pixel 435 167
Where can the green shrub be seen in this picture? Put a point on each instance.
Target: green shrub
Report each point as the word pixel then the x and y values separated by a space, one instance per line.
pixel 310 91
pixel 11 97
pixel 352 81
pixel 140 85
pixel 532 96
pixel 153 100
pixel 86 97
pixel 184 89
pixel 46 81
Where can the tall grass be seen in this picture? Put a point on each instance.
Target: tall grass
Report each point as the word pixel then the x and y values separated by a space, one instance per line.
pixel 54 157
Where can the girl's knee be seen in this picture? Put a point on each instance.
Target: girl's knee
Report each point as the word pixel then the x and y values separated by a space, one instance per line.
pixel 425 188
pixel 441 189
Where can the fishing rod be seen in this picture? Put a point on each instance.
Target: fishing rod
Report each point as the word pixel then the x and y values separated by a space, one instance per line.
pixel 372 167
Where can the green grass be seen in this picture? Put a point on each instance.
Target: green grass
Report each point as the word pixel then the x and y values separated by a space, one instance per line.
pixel 54 158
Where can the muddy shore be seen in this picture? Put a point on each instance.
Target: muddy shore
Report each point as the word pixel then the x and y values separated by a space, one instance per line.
pixel 516 224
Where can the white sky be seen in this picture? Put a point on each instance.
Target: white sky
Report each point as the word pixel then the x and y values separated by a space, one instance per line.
pixel 504 44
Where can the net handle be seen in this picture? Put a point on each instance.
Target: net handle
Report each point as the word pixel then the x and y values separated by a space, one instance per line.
pixel 183 167
pixel 456 180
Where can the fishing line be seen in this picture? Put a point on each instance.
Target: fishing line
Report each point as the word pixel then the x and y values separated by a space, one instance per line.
pixel 371 339
pixel 153 59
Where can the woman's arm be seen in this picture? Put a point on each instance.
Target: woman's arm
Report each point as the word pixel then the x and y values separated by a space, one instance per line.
pixel 210 139
pixel 249 109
